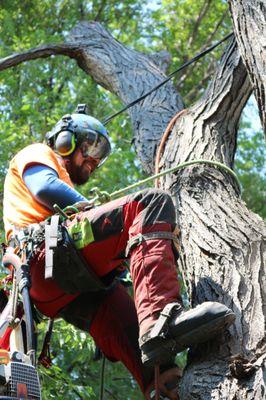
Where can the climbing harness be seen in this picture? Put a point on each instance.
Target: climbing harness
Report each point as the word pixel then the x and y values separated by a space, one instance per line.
pixel 141 237
pixel 62 242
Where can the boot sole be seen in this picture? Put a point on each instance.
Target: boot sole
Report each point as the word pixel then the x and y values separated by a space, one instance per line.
pixel 178 343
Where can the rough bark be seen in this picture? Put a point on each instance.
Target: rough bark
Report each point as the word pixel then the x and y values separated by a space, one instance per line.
pixel 221 242
pixel 129 74
pixel 249 19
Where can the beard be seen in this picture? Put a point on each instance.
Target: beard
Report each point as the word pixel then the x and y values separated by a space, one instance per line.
pixel 79 179
pixel 79 175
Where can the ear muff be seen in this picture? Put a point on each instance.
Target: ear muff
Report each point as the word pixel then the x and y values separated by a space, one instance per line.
pixel 65 143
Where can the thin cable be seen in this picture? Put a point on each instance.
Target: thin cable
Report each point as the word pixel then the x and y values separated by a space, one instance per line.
pixel 102 378
pixel 186 64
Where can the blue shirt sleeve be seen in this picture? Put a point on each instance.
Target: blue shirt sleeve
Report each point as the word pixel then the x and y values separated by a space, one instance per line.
pixel 48 189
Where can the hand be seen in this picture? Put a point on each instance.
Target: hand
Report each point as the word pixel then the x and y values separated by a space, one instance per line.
pixel 84 205
pixel 167 383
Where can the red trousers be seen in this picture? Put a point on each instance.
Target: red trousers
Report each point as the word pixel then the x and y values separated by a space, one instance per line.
pixel 113 319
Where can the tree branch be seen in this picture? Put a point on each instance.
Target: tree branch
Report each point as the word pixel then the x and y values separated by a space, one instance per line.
pixel 204 9
pixel 186 72
pixel 69 50
pixel 215 116
pixel 124 72
pixel 249 19
pixel 129 74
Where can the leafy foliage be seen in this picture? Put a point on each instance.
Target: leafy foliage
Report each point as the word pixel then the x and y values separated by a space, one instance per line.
pixel 250 166
pixel 36 94
pixel 74 373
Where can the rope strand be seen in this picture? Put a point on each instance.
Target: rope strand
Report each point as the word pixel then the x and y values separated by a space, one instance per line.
pixel 174 169
pixel 163 141
pixel 102 378
pixel 186 64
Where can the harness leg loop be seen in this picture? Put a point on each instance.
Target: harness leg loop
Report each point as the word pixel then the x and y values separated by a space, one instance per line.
pixel 143 237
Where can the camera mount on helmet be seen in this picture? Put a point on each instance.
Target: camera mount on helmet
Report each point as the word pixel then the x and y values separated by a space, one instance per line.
pixel 82 109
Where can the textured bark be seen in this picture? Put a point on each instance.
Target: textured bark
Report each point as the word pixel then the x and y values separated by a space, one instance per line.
pixel 249 19
pixel 221 241
pixel 129 74
pixel 221 256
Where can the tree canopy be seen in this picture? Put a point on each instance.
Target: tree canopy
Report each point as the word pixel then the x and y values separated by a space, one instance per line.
pixel 36 94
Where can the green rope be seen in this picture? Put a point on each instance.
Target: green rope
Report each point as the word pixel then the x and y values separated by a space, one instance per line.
pixel 103 197
pixel 176 168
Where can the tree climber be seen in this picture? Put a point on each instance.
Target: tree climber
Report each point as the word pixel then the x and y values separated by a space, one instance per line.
pixel 140 226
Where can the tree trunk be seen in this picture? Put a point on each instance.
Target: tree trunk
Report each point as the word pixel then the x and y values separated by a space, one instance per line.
pixel 129 74
pixel 249 19
pixel 221 241
pixel 221 257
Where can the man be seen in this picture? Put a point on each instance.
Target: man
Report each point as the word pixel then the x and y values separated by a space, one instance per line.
pixel 141 227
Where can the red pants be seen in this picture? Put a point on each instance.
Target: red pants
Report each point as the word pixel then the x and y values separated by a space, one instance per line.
pixel 112 320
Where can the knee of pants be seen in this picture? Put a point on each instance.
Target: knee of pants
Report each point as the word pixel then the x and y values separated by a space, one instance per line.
pixel 147 195
pixel 158 207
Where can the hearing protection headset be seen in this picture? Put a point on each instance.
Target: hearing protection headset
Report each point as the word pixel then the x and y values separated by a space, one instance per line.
pixel 73 129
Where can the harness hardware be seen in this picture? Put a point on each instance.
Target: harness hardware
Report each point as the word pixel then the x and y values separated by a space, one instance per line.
pixel 140 237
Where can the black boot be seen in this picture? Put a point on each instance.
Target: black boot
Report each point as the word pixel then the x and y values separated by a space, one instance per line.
pixel 175 330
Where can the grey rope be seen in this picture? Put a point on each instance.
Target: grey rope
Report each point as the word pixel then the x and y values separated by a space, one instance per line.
pixel 102 378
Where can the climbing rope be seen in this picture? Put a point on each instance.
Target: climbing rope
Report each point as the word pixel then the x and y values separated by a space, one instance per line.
pixel 102 378
pixel 217 164
pixel 163 141
pixel 168 78
pixel 102 197
pixel 174 169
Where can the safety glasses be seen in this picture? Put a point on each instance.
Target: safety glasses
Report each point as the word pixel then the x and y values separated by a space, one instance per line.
pixel 96 146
